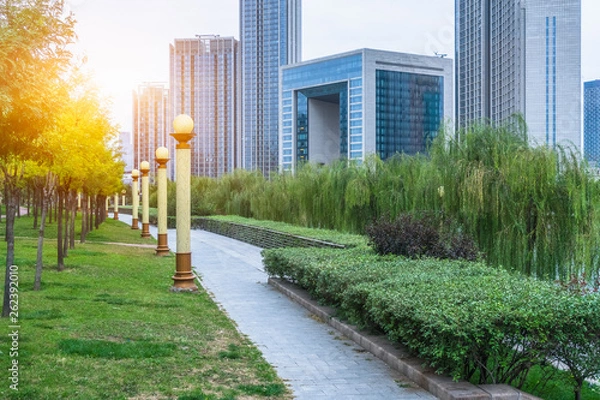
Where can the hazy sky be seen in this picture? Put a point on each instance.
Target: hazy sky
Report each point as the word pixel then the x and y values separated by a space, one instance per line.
pixel 126 42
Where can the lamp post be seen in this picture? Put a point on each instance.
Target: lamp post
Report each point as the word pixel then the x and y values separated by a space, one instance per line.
pixel 123 192
pixel 116 209
pixel 183 280
pixel 144 169
pixel 135 199
pixel 162 157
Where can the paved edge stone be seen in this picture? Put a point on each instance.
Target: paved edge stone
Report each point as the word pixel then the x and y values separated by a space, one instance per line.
pixel 398 357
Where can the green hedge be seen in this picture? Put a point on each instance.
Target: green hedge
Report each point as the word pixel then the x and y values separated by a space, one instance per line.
pixel 326 235
pixel 465 319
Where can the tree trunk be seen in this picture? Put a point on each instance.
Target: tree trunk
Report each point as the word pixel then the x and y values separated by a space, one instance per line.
pixel 101 206
pixel 35 205
pixel 84 219
pixel 73 209
pixel 51 202
pixel 67 219
pixel 6 210
pixel 29 200
pixel 91 213
pixel 18 198
pixel 59 219
pixel 97 211
pixel 45 197
pixel 11 206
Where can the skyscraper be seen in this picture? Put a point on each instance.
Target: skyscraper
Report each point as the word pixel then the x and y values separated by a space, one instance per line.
pixel 270 32
pixel 517 56
pixel 591 122
pixel 150 113
pixel 204 77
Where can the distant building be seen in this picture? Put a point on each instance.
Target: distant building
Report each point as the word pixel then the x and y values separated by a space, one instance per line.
pixel 126 154
pixel 126 150
pixel 204 75
pixel 270 34
pixel 591 122
pixel 362 102
pixel 150 105
pixel 517 56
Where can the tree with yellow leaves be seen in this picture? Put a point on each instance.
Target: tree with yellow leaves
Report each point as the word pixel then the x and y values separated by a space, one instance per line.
pixel 34 35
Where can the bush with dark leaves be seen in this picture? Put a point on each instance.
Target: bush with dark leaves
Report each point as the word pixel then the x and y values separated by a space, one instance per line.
pixel 421 236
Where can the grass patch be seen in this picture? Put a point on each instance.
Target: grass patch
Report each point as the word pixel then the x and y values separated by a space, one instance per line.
pixel 115 350
pixel 109 328
pixel 274 389
pixel 233 353
pixel 116 231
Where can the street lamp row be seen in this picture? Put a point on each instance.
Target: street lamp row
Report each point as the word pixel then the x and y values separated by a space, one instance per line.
pixel 184 279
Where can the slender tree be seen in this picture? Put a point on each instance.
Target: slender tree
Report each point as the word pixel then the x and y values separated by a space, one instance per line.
pixel 34 35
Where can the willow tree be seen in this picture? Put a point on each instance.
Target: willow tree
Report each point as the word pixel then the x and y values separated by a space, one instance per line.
pixel 531 208
pixel 34 35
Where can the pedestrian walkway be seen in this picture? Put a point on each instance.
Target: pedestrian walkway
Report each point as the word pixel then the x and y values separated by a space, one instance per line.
pixel 310 356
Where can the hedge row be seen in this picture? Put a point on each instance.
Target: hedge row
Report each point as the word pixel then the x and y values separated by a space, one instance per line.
pixel 326 235
pixel 464 318
pixel 259 236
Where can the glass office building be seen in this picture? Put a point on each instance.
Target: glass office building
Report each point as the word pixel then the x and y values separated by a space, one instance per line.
pixel 591 122
pixel 363 102
pixel 270 32
pixel 150 115
pixel 516 56
pixel 205 73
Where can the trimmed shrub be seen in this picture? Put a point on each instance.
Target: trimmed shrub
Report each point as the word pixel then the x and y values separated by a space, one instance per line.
pixel 414 237
pixel 466 319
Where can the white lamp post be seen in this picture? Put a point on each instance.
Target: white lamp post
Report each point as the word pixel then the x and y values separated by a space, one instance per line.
pixel 135 199
pixel 144 169
pixel 183 280
pixel 162 157
pixel 116 209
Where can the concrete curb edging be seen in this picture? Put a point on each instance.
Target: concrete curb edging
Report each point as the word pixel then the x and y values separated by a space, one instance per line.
pixel 398 357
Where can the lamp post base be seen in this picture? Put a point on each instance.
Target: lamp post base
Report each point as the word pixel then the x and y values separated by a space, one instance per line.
pixel 145 230
pixel 184 279
pixel 163 247
pixel 116 216
pixel 135 224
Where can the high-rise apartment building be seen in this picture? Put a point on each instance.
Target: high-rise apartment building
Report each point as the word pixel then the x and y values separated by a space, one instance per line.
pixel 517 56
pixel 270 34
pixel 591 122
pixel 204 77
pixel 150 122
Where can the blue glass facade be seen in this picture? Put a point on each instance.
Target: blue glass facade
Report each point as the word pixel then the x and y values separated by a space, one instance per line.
pixel 551 81
pixel 205 85
pixel 410 109
pixel 591 122
pixel 520 57
pixel 382 109
pixel 313 80
pixel 270 38
pixel 340 92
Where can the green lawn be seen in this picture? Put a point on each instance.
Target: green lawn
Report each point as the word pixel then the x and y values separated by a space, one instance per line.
pixel 109 328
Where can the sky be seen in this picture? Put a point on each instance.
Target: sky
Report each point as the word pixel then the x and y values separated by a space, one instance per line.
pixel 126 42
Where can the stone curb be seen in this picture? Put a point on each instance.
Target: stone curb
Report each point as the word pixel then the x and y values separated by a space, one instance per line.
pixel 398 357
